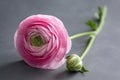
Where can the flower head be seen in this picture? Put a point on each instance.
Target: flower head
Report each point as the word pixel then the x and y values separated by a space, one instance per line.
pixel 42 41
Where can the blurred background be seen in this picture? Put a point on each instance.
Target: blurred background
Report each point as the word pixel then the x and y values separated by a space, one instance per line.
pixel 102 60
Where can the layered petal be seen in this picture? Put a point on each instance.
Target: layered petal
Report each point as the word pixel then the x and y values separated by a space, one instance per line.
pixel 42 41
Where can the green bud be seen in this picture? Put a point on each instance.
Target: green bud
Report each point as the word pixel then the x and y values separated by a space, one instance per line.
pixel 74 63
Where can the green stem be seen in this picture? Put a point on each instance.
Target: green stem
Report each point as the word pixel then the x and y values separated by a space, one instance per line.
pixel 82 34
pixel 92 34
pixel 92 38
pixel 102 19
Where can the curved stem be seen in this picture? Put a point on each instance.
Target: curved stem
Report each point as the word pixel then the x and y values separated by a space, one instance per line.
pixel 92 34
pixel 82 34
pixel 92 38
pixel 102 19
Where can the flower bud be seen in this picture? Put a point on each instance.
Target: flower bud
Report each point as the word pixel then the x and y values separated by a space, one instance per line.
pixel 74 63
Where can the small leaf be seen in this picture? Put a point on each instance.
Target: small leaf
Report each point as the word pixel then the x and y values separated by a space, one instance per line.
pixel 84 69
pixel 92 24
pixel 100 12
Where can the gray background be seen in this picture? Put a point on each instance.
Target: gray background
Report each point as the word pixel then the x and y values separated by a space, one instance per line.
pixel 103 60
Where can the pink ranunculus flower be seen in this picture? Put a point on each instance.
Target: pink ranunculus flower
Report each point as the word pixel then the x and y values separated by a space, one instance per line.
pixel 42 41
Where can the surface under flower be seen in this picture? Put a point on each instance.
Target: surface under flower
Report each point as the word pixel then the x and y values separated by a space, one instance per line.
pixel 42 41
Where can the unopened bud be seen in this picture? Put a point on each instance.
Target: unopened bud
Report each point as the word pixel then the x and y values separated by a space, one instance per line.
pixel 74 63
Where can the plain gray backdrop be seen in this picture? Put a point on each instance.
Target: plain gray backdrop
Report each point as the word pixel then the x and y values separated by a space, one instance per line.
pixel 103 60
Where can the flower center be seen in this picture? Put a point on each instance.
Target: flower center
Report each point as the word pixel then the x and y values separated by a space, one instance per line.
pixel 36 40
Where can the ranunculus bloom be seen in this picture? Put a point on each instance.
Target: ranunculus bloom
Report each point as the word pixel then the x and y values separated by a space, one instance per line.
pixel 42 41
